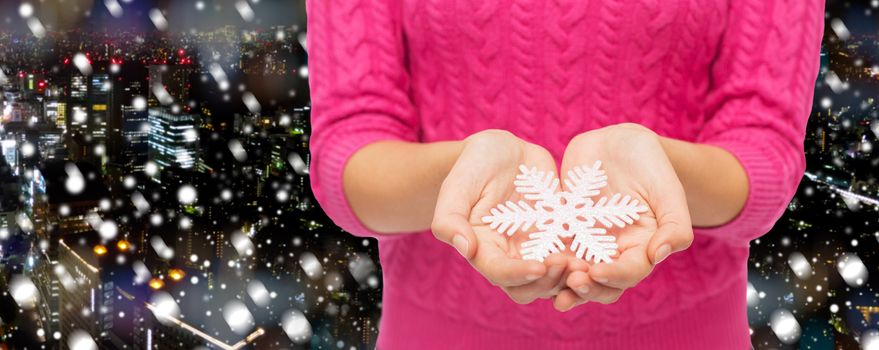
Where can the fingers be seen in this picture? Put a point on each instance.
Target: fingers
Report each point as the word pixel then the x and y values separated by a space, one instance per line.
pixel 566 300
pixel 583 289
pixel 546 286
pixel 675 231
pixel 502 270
pixel 510 272
pixel 576 264
pixel 587 289
pixel 630 268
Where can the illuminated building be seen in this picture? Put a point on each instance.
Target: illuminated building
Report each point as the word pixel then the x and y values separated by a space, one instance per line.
pixel 8 202
pixel 54 213
pixel 174 79
pixel 88 111
pixel 9 149
pixel 94 303
pixel 9 205
pixel 128 127
pixel 100 104
pixel 80 303
pixel 135 140
pixel 78 86
pixel 173 138
pixel 56 113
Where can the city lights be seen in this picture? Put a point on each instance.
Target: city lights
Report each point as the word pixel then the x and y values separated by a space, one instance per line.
pixel 176 274
pixel 100 249
pixel 156 283
pixel 100 129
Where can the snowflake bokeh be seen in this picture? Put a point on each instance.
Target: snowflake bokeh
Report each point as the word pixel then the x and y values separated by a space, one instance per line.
pixel 97 233
pixel 155 188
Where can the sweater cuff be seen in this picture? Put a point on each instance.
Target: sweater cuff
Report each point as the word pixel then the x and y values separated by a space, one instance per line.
pixel 769 190
pixel 327 182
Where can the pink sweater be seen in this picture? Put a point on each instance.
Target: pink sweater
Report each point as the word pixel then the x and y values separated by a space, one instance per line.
pixel 738 74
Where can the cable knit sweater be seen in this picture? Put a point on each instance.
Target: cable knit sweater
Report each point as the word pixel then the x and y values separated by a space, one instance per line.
pixel 738 74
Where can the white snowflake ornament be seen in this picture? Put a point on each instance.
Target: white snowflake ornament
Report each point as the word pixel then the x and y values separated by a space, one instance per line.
pixel 564 214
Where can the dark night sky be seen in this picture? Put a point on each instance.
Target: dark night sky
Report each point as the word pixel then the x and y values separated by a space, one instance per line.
pixel 181 15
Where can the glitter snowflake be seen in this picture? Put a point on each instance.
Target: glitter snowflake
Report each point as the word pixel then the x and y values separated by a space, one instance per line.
pixel 565 214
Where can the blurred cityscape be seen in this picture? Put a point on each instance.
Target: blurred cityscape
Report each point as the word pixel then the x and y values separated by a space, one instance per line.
pixel 155 193
pixel 154 189
pixel 812 278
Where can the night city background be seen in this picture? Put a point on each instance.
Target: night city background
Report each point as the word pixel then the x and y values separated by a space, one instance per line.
pixel 154 189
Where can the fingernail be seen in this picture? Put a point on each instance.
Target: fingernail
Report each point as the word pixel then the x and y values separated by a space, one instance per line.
pixel 532 277
pixel 583 290
pixel 460 244
pixel 571 307
pixel 601 279
pixel 663 252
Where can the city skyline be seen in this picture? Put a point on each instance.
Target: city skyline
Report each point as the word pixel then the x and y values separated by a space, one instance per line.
pixel 193 168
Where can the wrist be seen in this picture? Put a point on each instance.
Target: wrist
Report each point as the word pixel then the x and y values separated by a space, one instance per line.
pixel 452 151
pixel 671 149
pixel 392 186
pixel 714 181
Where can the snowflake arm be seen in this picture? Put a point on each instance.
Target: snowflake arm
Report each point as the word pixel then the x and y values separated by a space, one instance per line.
pixel 586 182
pixel 594 244
pixel 536 185
pixel 617 210
pixel 541 244
pixel 510 217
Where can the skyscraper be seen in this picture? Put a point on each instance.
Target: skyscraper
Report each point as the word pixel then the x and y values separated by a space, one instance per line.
pixel 100 105
pixel 77 111
pixel 90 299
pixel 90 109
pixel 174 80
pixel 128 127
pixel 56 113
pixel 135 147
pixel 173 138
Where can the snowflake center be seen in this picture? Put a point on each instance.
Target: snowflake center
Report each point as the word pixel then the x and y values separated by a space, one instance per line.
pixel 565 211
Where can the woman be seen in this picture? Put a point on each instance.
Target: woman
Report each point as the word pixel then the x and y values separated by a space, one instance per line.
pixel 424 109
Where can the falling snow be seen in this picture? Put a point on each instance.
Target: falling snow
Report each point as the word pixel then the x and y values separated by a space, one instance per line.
pixel 236 246
pixel 785 326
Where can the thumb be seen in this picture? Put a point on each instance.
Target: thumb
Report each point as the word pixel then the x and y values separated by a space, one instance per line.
pixel 675 230
pixel 670 237
pixel 451 222
pixel 454 229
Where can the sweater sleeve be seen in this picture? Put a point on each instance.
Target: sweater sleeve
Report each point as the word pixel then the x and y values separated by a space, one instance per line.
pixel 359 88
pixel 763 80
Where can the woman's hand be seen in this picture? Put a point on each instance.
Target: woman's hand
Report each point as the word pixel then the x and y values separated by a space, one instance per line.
pixel 636 165
pixel 481 178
